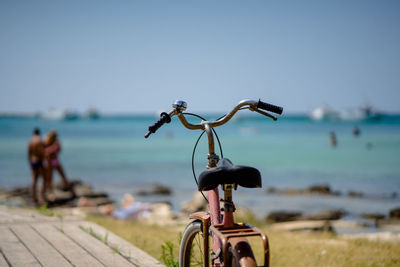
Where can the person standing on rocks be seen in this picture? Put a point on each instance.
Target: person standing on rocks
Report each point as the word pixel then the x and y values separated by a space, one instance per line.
pixel 52 148
pixel 35 157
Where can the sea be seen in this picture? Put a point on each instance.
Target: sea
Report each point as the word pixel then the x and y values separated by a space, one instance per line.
pixel 111 154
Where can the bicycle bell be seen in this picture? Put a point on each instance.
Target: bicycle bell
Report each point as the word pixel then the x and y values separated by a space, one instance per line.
pixel 179 105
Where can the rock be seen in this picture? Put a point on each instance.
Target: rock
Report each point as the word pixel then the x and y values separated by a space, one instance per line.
pixel 389 224
pixel 319 189
pixel 64 201
pixel 3 195
pixel 380 236
pixel 283 216
pixel 394 213
pixel 19 191
pixel 86 202
pixel 60 186
pixel 285 191
pixel 96 195
pixel 21 196
pixel 161 214
pixel 198 203
pixel 272 190
pixel 314 189
pixel 62 194
pixel 83 190
pixel 373 216
pixel 320 226
pixel 156 189
pixel 325 215
pixel 292 191
pixel 355 194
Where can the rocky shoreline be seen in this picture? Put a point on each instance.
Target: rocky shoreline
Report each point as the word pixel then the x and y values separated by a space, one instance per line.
pixel 21 196
pixel 324 189
pixel 162 213
pixel 87 202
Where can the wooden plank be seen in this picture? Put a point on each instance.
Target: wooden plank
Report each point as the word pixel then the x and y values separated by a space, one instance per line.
pixel 95 247
pixel 15 252
pixel 64 245
pixel 11 215
pixel 3 262
pixel 129 251
pixel 5 216
pixel 39 247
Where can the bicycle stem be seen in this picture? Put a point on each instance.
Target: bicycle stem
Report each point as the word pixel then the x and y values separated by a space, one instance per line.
pixel 212 157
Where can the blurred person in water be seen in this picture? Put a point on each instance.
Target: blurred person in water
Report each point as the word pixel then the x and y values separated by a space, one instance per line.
pixel 52 149
pixel 36 155
pixel 333 139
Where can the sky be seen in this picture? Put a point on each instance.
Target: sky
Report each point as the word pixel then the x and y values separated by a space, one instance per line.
pixel 139 56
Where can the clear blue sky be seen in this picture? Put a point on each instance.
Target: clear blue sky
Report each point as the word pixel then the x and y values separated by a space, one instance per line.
pixel 139 56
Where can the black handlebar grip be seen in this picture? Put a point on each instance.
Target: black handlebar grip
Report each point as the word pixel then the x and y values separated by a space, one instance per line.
pixel 269 107
pixel 164 118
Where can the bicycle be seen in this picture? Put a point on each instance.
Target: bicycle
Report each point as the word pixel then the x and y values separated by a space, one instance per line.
pixel 230 246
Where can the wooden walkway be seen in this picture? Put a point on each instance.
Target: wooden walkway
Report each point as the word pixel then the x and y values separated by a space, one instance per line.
pixel 28 238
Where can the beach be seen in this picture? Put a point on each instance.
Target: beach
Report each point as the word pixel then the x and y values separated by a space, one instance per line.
pixel 316 200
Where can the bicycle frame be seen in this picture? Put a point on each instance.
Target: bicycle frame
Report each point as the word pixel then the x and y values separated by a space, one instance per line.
pixel 225 231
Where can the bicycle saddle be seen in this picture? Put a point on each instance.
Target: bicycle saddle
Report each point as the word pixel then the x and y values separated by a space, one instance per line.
pixel 227 173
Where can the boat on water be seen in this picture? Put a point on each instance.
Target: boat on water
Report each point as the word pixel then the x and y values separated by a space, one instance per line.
pixel 59 115
pixel 323 113
pixel 366 112
pixel 92 114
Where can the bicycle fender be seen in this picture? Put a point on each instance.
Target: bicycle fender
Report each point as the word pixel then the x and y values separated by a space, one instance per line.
pixel 243 249
pixel 201 215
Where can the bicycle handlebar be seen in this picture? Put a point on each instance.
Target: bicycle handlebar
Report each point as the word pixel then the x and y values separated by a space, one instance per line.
pixel 164 118
pixel 269 107
pixel 179 106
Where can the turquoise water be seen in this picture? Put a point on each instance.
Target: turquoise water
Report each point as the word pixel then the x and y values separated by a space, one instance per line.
pixel 111 154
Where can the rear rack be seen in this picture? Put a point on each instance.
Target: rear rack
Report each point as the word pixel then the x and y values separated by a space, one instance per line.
pixel 239 230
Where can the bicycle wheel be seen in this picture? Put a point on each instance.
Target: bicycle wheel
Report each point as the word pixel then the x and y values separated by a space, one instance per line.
pixel 192 249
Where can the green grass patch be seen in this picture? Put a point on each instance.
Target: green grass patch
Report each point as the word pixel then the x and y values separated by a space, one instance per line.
pixel 287 248
pixel 149 238
pixel 168 255
pixel 44 210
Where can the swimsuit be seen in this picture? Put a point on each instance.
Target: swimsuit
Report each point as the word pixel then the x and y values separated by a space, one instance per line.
pixel 35 165
pixel 53 149
pixel 54 162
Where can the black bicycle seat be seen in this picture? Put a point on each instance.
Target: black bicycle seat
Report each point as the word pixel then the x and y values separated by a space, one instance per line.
pixel 227 173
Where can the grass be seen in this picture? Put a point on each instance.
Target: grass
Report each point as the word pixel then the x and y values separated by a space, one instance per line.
pixel 168 256
pixel 44 210
pixel 147 237
pixel 90 231
pixel 287 248
pixel 99 237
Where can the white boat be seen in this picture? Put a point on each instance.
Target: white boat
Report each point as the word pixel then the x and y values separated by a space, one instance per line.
pixel 58 115
pixel 366 112
pixel 323 113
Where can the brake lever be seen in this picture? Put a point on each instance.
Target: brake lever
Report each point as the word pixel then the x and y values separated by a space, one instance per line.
pixel 263 113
